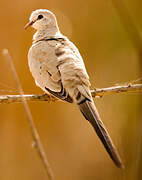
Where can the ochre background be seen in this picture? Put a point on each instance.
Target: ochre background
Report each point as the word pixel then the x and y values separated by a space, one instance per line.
pixel 72 147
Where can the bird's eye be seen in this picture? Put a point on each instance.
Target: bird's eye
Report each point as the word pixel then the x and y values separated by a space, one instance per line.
pixel 40 16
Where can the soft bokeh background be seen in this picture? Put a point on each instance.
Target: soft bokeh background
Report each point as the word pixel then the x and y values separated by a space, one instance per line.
pixel 72 147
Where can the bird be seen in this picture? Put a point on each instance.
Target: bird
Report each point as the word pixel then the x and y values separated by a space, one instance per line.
pixel 58 69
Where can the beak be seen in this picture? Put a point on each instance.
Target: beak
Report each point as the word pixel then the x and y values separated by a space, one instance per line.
pixel 28 24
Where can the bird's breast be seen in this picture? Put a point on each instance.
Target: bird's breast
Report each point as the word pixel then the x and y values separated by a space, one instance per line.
pixel 42 65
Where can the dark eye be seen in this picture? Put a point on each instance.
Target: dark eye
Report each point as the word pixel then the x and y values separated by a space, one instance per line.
pixel 40 16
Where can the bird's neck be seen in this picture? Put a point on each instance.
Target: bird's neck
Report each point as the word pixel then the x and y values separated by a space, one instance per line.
pixel 46 33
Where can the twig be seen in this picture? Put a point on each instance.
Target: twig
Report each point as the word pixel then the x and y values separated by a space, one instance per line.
pixel 34 132
pixel 130 88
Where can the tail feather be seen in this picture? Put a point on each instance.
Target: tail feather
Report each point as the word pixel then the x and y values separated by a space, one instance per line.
pixel 89 111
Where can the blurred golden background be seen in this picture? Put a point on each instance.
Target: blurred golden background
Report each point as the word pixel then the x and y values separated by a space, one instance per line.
pixel 72 147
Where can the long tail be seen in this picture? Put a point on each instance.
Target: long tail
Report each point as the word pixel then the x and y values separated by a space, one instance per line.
pixel 89 111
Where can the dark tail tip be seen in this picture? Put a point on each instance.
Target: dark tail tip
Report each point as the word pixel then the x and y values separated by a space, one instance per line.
pixel 120 165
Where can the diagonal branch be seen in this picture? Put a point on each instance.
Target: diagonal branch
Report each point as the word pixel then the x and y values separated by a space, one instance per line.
pixel 99 92
pixel 34 132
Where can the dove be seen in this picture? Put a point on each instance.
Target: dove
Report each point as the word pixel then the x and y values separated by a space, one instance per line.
pixel 58 69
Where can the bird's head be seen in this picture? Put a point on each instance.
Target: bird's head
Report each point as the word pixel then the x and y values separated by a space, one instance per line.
pixel 41 19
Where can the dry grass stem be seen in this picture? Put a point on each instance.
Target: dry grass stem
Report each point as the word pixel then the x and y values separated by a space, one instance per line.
pixel 34 132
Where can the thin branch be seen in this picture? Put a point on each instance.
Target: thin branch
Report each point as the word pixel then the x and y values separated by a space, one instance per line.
pixel 129 88
pixel 34 132
pixel 99 92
